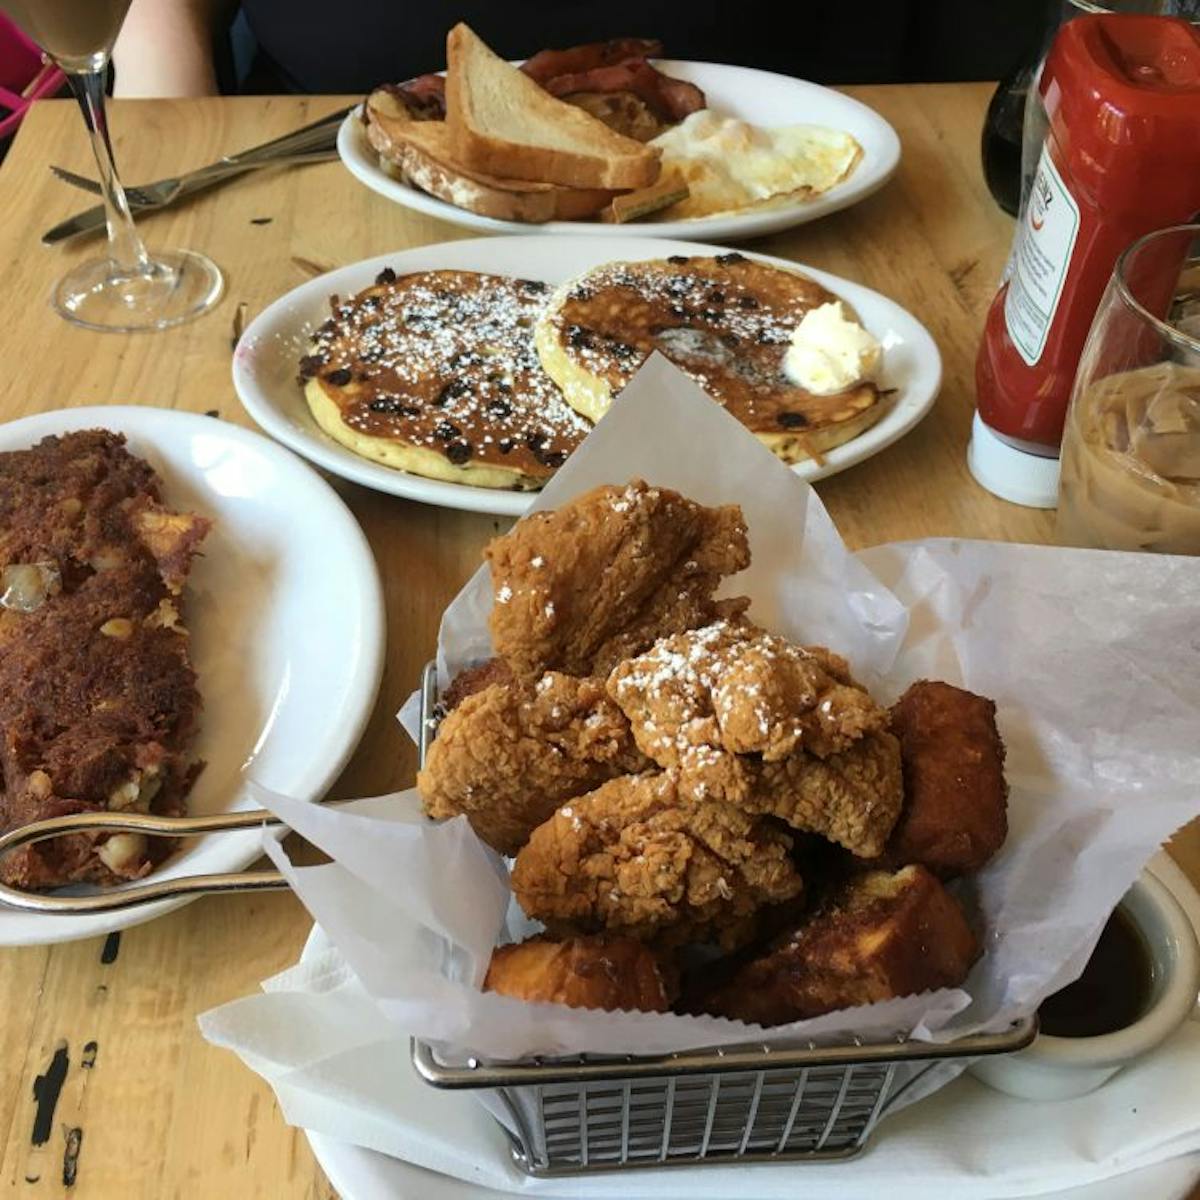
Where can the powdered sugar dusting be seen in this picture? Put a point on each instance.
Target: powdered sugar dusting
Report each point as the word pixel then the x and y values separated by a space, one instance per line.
pixel 695 699
pixel 725 321
pixel 445 360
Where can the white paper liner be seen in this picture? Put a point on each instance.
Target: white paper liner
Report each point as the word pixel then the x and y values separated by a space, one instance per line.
pixel 1092 658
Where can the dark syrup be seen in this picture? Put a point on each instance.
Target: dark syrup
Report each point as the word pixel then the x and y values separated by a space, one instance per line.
pixel 1112 992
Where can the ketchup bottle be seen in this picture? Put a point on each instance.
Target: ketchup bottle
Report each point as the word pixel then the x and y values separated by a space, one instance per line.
pixel 1121 158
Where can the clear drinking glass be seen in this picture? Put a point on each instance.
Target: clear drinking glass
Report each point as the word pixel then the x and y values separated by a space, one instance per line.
pixel 1131 449
pixel 127 290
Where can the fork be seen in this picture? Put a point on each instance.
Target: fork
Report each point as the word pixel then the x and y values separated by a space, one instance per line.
pixel 155 195
pixel 301 145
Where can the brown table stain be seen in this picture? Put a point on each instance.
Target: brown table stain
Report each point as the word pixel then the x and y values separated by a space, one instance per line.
pixel 46 1090
pixel 71 1156
pixel 112 947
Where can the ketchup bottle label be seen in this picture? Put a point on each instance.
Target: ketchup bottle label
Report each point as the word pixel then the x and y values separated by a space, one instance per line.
pixel 1040 257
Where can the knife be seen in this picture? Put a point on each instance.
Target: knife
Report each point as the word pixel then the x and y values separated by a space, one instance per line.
pixel 312 143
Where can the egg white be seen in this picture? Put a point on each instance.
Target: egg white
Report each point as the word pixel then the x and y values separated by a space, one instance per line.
pixel 731 164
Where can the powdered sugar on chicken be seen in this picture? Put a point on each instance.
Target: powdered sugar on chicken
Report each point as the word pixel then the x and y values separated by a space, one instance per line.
pixel 703 700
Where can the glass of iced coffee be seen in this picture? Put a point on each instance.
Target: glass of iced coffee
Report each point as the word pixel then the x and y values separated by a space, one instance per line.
pixel 1131 450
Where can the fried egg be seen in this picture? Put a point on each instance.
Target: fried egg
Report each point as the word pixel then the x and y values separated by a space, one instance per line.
pixel 731 164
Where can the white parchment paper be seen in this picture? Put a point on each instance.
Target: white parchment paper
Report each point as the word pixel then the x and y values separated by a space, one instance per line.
pixel 1092 658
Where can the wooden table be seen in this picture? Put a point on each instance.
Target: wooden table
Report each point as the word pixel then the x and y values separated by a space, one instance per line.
pixel 147 1109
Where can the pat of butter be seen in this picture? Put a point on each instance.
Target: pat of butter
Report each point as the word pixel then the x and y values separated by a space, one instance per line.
pixel 829 352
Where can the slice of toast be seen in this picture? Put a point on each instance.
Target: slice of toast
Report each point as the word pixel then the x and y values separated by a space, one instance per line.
pixel 502 123
pixel 420 152
pixel 633 206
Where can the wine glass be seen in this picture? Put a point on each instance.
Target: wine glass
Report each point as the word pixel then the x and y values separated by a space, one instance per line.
pixel 128 290
pixel 1131 449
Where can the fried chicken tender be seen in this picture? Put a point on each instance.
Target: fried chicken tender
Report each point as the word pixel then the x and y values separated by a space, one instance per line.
pixel 473 679
pixel 878 936
pixel 587 972
pixel 702 701
pixel 853 798
pixel 956 808
pixel 509 755
pixel 579 589
pixel 637 858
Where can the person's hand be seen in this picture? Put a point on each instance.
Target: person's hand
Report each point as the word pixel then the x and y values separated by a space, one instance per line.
pixel 165 48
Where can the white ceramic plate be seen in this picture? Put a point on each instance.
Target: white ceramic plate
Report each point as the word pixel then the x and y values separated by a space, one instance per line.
pixel 760 97
pixel 359 1174
pixel 267 357
pixel 286 617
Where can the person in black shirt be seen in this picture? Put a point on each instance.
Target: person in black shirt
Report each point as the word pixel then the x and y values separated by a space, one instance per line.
pixel 168 47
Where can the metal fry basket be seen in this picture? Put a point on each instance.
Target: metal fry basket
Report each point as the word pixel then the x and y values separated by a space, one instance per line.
pixel 733 1104
pixel 742 1104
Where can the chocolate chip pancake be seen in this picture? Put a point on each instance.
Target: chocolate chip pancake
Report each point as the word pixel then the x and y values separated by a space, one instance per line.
pixel 436 373
pixel 725 321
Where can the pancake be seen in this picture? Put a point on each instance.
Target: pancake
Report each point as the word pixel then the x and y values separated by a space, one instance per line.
pixel 725 321
pixel 435 373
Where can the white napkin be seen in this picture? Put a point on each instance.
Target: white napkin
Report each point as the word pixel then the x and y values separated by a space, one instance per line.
pixel 338 1068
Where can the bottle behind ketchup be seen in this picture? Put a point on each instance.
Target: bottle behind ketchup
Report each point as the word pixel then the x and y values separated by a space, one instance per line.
pixel 1121 157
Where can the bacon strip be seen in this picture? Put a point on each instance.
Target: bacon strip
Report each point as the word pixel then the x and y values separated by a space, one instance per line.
pixel 616 66
pixel 548 64
pixel 670 99
pixel 424 97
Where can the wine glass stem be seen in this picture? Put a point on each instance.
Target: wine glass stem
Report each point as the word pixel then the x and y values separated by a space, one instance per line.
pixel 124 245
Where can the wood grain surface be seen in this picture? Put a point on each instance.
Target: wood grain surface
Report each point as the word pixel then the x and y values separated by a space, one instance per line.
pixel 106 1088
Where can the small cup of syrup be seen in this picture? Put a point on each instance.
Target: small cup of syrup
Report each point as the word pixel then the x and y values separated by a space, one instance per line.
pixel 1138 987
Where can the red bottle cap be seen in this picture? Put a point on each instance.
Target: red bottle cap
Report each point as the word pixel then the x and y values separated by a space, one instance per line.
pixel 1127 86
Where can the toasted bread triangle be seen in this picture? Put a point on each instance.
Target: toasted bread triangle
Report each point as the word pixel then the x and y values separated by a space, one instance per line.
pixel 421 152
pixel 502 123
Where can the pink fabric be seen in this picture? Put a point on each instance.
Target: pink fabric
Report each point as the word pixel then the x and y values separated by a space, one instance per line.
pixel 23 76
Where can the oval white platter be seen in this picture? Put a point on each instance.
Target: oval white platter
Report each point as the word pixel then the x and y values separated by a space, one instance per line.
pixel 760 97
pixel 267 357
